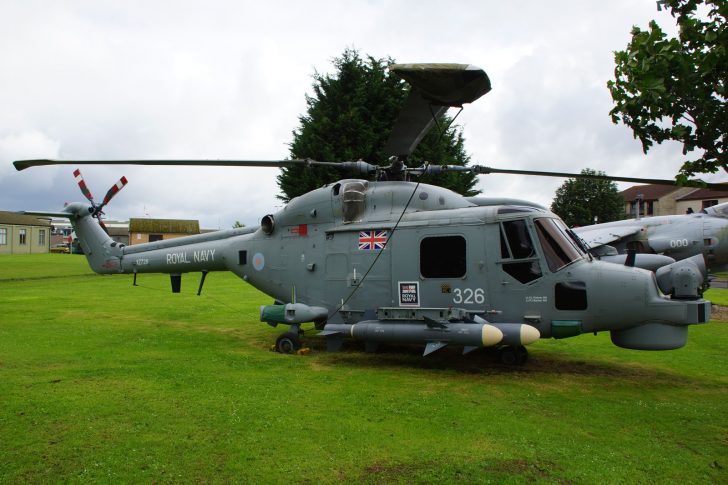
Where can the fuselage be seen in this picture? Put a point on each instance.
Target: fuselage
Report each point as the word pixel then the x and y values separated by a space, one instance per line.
pixel 355 247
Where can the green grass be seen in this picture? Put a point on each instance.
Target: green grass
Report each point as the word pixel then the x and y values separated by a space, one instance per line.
pixel 101 381
pixel 717 296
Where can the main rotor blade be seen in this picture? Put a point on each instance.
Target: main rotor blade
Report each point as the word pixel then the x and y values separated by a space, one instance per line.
pixel 359 166
pixel 480 169
pixel 689 183
pixel 23 164
pixel 445 84
pixel 435 87
pixel 415 120
pixel 114 190
pixel 82 185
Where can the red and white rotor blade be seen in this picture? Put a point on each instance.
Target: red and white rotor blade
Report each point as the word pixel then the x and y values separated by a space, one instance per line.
pixel 82 185
pixel 103 226
pixel 114 190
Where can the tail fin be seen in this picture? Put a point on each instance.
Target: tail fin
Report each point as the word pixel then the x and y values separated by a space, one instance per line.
pixel 102 253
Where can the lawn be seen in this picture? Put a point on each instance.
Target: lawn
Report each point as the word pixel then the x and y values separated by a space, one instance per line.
pixel 101 381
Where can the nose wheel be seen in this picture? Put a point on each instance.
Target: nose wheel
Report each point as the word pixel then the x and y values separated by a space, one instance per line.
pixel 513 355
pixel 288 343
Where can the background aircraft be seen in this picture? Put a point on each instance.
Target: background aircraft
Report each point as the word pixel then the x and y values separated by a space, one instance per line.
pixel 677 237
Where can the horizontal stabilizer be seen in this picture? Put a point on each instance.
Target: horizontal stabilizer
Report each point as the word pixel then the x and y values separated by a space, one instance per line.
pixel 48 213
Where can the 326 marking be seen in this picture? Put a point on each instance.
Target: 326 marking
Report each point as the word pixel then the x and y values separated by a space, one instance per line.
pixel 468 296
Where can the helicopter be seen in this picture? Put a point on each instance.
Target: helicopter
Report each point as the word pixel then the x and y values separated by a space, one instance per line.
pixel 394 261
pixel 660 240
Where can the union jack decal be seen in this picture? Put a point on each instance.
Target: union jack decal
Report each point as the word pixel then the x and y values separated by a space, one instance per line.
pixel 372 240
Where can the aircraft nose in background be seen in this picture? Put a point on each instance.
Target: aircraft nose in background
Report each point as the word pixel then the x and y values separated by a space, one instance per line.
pixel 715 239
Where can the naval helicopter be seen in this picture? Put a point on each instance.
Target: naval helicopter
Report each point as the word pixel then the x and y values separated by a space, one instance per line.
pixel 391 260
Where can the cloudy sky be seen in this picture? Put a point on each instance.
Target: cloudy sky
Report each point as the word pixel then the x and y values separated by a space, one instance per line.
pixel 228 79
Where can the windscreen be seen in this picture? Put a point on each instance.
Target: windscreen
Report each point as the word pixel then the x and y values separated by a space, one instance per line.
pixel 557 247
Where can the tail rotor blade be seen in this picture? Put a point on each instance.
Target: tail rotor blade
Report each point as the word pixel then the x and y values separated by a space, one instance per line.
pixel 103 226
pixel 114 190
pixel 82 185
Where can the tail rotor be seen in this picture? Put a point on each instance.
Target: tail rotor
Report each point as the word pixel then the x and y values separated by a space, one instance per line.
pixel 97 209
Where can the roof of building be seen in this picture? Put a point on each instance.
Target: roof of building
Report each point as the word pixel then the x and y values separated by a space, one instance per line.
pixel 164 226
pixel 117 231
pixel 703 194
pixel 648 192
pixel 18 219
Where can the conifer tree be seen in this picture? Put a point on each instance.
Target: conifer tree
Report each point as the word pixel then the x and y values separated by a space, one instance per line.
pixel 349 117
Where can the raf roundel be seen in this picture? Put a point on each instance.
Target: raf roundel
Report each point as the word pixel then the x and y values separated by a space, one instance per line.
pixel 258 261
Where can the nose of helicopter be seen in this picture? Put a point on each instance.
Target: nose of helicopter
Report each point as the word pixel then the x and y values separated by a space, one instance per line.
pixel 629 303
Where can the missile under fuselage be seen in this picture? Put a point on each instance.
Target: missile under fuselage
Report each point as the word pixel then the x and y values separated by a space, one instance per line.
pixel 470 335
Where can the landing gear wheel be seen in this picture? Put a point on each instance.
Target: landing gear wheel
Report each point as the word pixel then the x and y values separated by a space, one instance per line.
pixel 288 343
pixel 513 355
pixel 508 355
pixel 521 355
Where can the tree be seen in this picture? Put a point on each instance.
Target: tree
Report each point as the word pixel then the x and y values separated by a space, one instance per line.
pixel 675 88
pixel 349 117
pixel 238 224
pixel 579 200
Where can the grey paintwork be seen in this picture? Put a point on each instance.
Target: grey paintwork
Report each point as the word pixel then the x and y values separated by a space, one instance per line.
pixel 312 257
pixel 468 271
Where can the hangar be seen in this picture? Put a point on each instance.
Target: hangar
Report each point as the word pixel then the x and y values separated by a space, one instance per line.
pixel 149 230
pixel 21 234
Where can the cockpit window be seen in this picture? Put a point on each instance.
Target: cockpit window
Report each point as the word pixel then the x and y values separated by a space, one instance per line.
pixel 518 239
pixel 516 244
pixel 558 249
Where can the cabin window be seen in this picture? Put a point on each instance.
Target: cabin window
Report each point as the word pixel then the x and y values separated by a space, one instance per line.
pixel 557 248
pixel 242 257
pixel 442 257
pixel 516 244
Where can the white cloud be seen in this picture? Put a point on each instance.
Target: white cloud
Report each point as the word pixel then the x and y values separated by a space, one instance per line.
pixel 225 79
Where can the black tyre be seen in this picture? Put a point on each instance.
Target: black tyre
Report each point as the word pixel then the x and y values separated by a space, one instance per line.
pixel 521 355
pixel 508 356
pixel 288 343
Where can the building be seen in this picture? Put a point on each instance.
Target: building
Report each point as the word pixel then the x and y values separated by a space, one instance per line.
pixel 119 233
pixel 22 234
pixel 62 231
pixel 653 200
pixel 663 200
pixel 149 230
pixel 700 199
